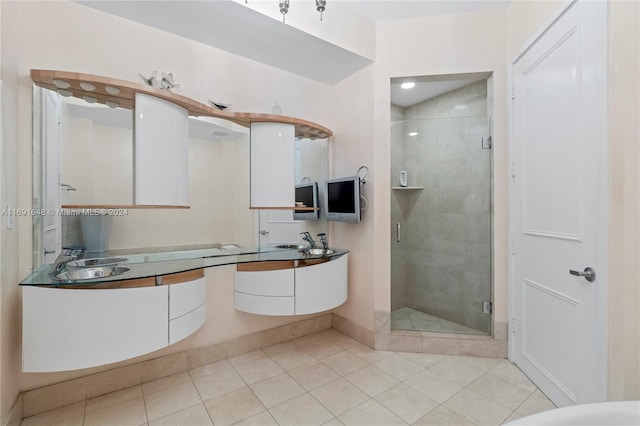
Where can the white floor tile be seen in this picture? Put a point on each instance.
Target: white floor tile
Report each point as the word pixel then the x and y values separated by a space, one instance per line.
pixel 535 404
pixel 233 407
pixel 505 394
pixel 168 401
pixel 406 402
pixel 302 410
pixel 398 367
pixel 339 396
pixel 192 416
pixel 443 416
pixel 277 390
pixel 314 375
pixel 257 371
pixel 370 413
pixel 477 408
pixel 128 413
pixel 371 380
pixel 344 363
pixel 215 385
pixel 434 386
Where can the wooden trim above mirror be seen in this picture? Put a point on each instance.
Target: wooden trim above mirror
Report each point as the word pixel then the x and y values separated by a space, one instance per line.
pixel 125 98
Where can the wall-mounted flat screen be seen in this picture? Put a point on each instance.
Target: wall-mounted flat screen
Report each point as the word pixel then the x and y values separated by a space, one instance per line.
pixel 343 199
pixel 307 196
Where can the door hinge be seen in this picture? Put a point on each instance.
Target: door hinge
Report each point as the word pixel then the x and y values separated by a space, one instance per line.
pixel 513 170
pixel 513 326
pixel 487 307
pixel 513 246
pixel 513 92
pixel 486 143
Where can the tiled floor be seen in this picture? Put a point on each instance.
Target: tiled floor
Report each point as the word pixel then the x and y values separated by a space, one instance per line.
pixel 412 319
pixel 325 378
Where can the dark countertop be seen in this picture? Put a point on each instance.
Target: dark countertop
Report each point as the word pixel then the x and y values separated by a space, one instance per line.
pixel 151 262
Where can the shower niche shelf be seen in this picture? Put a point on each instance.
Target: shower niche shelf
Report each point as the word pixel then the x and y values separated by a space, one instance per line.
pixel 407 188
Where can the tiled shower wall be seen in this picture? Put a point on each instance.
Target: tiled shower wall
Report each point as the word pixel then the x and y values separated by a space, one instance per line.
pixel 442 265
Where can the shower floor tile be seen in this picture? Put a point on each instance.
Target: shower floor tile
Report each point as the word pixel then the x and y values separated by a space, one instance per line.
pixel 414 320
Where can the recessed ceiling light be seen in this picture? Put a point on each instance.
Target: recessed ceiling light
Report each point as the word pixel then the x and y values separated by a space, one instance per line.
pixel 112 104
pixel 408 85
pixel 413 133
pixel 90 99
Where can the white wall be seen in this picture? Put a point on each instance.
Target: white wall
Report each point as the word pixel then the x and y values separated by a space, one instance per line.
pixel 353 126
pixel 447 44
pixel 69 36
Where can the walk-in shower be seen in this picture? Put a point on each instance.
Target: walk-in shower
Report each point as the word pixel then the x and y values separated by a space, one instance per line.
pixel 441 208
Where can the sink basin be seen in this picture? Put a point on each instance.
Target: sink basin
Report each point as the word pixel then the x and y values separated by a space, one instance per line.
pixel 291 246
pixel 317 252
pixel 92 273
pixel 98 261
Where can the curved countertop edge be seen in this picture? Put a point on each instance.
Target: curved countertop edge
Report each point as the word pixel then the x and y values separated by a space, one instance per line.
pixel 150 269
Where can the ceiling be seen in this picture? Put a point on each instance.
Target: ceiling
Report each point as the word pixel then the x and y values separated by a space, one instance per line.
pixel 235 28
pixel 383 10
pixel 428 87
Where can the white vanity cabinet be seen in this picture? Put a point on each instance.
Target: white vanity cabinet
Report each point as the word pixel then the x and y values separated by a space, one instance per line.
pixel 72 328
pixel 321 287
pixel 187 308
pixel 268 291
pixel 68 329
pixel 279 288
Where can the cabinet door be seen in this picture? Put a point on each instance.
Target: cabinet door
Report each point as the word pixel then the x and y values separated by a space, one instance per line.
pixel 186 297
pixel 264 305
pixel 187 324
pixel 71 329
pixel 272 165
pixel 161 152
pixel 265 283
pixel 321 287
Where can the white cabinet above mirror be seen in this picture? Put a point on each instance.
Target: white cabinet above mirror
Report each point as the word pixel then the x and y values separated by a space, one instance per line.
pixel 272 165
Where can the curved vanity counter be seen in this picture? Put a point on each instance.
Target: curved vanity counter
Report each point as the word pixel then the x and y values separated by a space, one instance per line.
pixel 149 263
pixel 69 325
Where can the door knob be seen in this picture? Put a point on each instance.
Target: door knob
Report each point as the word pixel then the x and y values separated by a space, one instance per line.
pixel 589 274
pixel 263 232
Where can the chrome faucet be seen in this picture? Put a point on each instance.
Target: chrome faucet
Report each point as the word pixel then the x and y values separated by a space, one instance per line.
pixel 68 254
pixel 323 240
pixel 308 238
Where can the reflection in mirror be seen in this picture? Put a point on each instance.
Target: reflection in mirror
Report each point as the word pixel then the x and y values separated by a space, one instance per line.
pixel 277 227
pixel 96 154
pixel 95 158
pixel 311 164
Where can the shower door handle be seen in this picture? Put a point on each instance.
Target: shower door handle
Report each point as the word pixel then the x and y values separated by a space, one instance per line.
pixel 398 232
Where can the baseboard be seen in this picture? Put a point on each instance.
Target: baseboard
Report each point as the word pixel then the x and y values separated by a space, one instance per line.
pixel 15 414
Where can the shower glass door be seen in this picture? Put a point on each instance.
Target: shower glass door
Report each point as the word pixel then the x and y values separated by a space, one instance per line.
pixel 441 222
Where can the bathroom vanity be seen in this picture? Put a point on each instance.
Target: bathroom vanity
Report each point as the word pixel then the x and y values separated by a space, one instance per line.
pixel 161 300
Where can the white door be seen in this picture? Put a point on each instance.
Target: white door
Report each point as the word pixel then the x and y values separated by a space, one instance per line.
pixel 559 207
pixel 278 227
pixel 51 222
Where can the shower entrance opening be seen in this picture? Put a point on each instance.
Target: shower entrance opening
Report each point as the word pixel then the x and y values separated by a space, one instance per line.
pixel 441 204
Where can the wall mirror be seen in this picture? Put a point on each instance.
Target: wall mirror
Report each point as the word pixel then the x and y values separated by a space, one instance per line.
pixel 311 164
pixel 83 155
